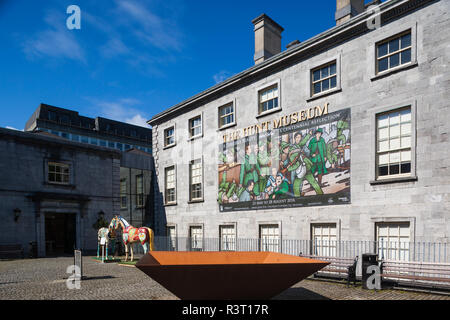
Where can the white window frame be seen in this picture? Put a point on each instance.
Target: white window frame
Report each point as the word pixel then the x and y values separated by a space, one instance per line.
pixel 325 246
pixel 264 87
pixel 166 201
pixel 190 127
pixel 390 150
pixel 191 198
pixel 388 33
pixel 196 240
pixel 393 248
pixel 219 116
pixel 229 242
pixel 267 242
pixel 172 238
pixel 165 144
pixel 374 145
pixel 390 54
pixel 61 166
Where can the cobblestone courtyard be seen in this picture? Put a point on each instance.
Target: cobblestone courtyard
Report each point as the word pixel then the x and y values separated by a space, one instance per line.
pixel 45 279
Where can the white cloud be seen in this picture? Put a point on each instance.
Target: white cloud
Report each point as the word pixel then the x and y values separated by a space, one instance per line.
pixel 138 120
pixel 148 27
pixel 56 41
pixel 123 110
pixel 221 76
pixel 12 128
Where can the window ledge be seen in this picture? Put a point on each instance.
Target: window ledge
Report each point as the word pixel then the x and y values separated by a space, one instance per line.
pixel 195 137
pixel 394 180
pixel 61 185
pixel 227 126
pixel 265 113
pixel 196 201
pixel 169 146
pixel 170 204
pixel 395 70
pixel 324 94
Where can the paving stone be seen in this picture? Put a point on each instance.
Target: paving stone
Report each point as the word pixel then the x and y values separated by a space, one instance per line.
pixel 37 279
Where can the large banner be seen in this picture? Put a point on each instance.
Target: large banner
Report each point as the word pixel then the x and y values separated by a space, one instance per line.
pixel 299 165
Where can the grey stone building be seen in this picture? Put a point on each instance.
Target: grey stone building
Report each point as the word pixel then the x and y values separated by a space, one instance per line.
pixel 53 191
pixel 342 137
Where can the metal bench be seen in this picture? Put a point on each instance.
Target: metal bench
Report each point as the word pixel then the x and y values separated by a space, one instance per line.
pixel 8 251
pixel 344 268
pixel 416 273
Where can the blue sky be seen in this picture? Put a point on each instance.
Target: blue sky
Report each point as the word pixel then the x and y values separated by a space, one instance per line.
pixel 132 59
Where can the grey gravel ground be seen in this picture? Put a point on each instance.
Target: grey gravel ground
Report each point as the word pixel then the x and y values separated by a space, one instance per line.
pixel 36 279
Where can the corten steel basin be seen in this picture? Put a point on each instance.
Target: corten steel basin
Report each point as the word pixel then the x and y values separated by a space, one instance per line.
pixel 226 275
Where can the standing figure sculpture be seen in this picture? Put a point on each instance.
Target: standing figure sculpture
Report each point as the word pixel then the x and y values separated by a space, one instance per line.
pixel 103 233
pixel 131 235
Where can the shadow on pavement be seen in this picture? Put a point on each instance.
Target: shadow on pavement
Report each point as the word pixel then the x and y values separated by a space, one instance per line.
pixel 299 294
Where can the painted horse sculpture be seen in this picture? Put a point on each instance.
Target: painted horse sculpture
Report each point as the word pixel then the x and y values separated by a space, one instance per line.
pixel 102 233
pixel 132 235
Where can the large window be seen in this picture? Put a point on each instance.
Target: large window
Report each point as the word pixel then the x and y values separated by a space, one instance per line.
pixel 171 233
pixel 196 180
pixel 170 189
pixel 195 127
pixel 169 137
pixel 58 173
pixel 393 52
pixel 324 78
pixel 394 143
pixel 123 194
pixel 269 236
pixel 268 99
pixel 140 190
pixel 324 239
pixel 226 115
pixel 393 240
pixel 196 237
pixel 227 238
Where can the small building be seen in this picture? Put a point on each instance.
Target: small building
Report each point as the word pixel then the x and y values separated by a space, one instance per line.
pixel 101 132
pixel 54 191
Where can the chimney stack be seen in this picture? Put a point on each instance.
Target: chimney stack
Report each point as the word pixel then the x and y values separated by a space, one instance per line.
pixel 347 9
pixel 267 38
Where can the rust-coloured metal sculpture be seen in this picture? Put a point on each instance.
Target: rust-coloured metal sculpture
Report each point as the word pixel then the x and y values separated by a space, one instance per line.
pixel 226 275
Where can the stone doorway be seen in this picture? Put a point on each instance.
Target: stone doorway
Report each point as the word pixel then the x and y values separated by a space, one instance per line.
pixel 60 233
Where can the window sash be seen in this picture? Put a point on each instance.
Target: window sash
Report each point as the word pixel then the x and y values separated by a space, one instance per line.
pixel 270 238
pixel 226 115
pixel 393 240
pixel 324 237
pixel 268 99
pixel 400 51
pixel 196 180
pixel 196 234
pixel 394 139
pixel 322 79
pixel 170 185
pixel 169 136
pixel 195 126
pixel 227 238
pixel 58 173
